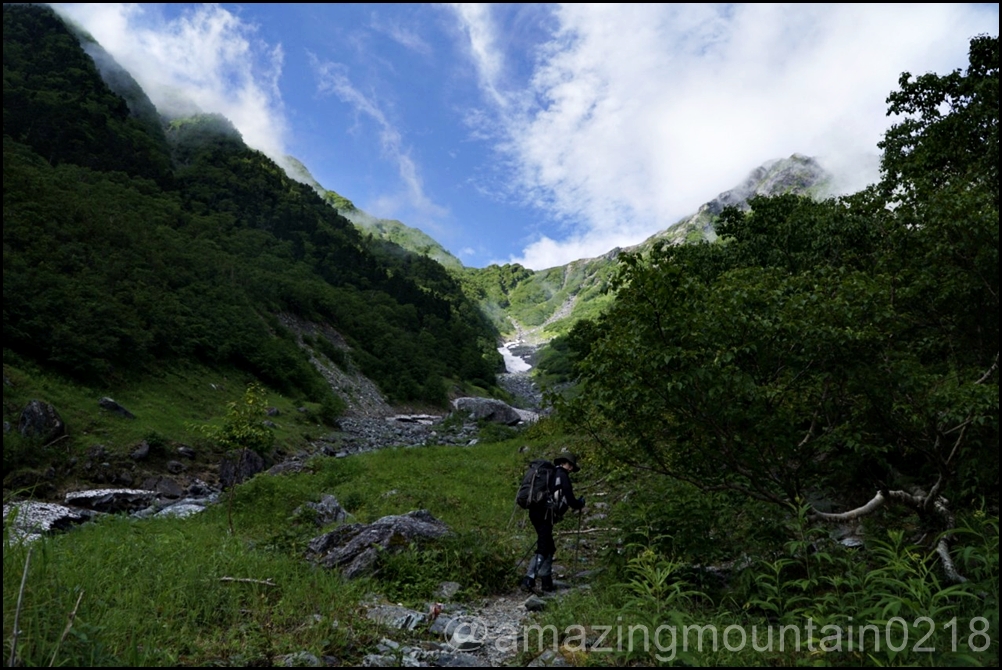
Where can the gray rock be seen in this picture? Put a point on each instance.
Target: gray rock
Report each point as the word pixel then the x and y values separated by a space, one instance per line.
pixel 458 660
pixel 181 510
pixel 112 406
pixel 446 590
pixel 164 486
pixel 380 661
pixel 199 489
pixel 272 411
pixel 535 604
pixel 549 659
pixel 40 420
pixel 142 452
pixel 176 467
pixel 354 548
pixel 301 659
pixel 328 511
pixel 110 501
pixel 239 466
pixel 31 519
pixel 394 616
pixel 186 452
pixel 287 468
pixel 488 409
pixel 441 625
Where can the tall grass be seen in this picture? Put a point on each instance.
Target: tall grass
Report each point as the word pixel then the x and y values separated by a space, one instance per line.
pixel 186 591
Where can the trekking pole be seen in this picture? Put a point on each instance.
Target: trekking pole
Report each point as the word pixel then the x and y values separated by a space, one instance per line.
pixel 577 546
pixel 529 551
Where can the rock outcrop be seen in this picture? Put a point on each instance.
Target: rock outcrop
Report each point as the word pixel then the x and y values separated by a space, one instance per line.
pixel 40 420
pixel 354 548
pixel 488 409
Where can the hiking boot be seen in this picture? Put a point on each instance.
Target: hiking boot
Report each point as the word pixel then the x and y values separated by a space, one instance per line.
pixel 528 584
pixel 548 586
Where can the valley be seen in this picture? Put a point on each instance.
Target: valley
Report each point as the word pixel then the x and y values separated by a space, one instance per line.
pixel 247 423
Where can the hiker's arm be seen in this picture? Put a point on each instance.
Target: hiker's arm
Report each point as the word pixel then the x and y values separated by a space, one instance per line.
pixel 568 492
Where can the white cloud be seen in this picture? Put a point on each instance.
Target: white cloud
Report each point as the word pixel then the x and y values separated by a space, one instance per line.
pixel 333 78
pixel 207 56
pixel 402 35
pixel 635 115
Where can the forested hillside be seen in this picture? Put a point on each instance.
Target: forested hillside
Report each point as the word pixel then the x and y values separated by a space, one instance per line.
pixel 131 245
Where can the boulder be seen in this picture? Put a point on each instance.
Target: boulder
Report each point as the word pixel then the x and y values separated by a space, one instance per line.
pixel 32 519
pixel 395 616
pixel 488 409
pixel 239 467
pixel 40 420
pixel 327 511
pixel 354 548
pixel 165 487
pixel 181 510
pixel 111 501
pixel 112 406
pixel 142 452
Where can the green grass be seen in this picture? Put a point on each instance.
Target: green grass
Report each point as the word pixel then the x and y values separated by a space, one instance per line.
pixel 168 406
pixel 154 593
pixel 153 590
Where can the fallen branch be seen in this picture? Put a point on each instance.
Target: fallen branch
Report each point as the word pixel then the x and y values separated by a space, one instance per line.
pixel 943 549
pixel 869 508
pixel 66 631
pixel 17 611
pixel 919 501
pixel 244 580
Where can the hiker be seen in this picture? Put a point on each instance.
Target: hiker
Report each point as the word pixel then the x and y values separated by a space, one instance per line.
pixel 544 514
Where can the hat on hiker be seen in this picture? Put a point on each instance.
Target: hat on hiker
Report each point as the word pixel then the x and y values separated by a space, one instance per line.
pixel 567 457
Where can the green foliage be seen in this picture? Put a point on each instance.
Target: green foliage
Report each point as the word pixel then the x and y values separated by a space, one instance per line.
pixel 56 102
pixel 477 560
pixel 829 348
pixel 243 427
pixel 125 247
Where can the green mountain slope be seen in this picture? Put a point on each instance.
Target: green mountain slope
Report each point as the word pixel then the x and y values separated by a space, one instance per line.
pixel 381 230
pixel 539 305
pixel 130 248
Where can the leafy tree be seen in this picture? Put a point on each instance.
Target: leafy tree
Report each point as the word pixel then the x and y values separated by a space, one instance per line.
pixel 825 350
pixel 244 427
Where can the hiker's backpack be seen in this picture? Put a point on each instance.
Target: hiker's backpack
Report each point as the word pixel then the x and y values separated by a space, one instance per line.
pixel 535 488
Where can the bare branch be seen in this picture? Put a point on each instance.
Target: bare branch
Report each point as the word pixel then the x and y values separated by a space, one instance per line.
pixel 948 567
pixel 66 631
pixel 988 373
pixel 869 508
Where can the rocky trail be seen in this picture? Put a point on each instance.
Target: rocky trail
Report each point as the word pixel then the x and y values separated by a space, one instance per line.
pixel 492 631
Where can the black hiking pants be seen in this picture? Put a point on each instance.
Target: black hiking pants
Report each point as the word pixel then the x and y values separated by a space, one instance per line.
pixel 542 521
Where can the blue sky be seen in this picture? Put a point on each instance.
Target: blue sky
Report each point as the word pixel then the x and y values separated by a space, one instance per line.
pixel 540 134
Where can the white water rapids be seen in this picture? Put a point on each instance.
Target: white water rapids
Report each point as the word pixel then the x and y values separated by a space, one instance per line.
pixel 513 363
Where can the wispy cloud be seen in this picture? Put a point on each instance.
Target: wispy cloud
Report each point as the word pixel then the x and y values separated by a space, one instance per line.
pixel 401 34
pixel 481 35
pixel 207 57
pixel 633 116
pixel 333 78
